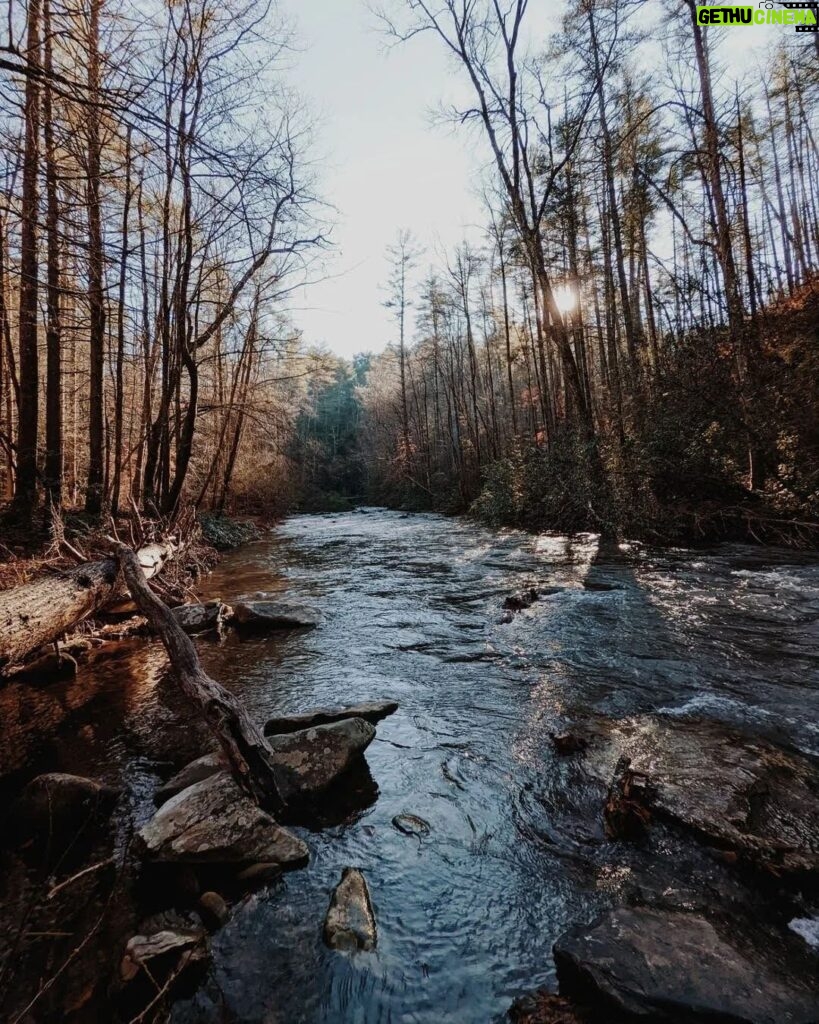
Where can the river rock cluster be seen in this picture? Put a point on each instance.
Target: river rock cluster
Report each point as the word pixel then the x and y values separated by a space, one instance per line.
pixel 207 825
pixel 208 843
pixel 205 818
pixel 755 807
pixel 262 612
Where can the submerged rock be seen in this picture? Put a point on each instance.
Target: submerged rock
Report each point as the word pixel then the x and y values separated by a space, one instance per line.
pixel 350 921
pixel 267 614
pixel 675 967
pixel 545 1008
pixel 521 599
pixel 199 618
pixel 213 822
pixel 61 805
pixel 746 795
pixel 259 874
pixel 48 668
pixel 411 825
pixel 372 712
pixel 311 760
pixel 568 743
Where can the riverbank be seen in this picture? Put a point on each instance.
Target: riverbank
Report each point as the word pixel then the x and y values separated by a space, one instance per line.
pixel 57 591
pixel 691 446
pixel 628 648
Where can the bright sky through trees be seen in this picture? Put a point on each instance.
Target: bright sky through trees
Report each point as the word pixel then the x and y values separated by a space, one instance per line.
pixel 389 165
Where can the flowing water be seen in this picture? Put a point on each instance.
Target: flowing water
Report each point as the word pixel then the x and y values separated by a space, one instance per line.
pixel 515 852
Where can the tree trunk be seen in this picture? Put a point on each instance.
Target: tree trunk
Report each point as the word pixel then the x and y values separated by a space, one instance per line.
pixel 96 303
pixel 54 383
pixel 119 397
pixel 241 739
pixel 725 252
pixel 507 336
pixel 28 419
pixel 9 384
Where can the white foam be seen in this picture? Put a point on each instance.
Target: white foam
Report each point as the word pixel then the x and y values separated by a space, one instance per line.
pixel 711 702
pixel 779 579
pixel 714 704
pixel 807 928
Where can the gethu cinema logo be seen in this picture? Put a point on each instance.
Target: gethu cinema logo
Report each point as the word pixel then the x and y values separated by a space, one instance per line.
pixel 803 15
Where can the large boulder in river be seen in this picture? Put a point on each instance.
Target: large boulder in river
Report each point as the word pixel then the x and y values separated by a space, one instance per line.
pixel 310 760
pixel 269 614
pixel 214 822
pixel 675 967
pixel 742 794
pixel 372 712
pixel 61 805
pixel 350 921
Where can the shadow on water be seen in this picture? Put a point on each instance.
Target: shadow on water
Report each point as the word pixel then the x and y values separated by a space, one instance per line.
pixel 516 850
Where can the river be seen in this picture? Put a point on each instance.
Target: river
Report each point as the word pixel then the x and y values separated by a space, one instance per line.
pixel 516 850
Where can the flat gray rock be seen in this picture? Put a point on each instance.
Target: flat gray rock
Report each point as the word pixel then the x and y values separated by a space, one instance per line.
pixel 747 795
pixel 171 949
pixel 213 822
pixel 311 760
pixel 202 768
pixel 350 921
pixel 266 614
pixel 199 618
pixel 372 712
pixel 675 967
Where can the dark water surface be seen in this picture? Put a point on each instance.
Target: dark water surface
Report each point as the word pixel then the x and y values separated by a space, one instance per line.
pixel 516 852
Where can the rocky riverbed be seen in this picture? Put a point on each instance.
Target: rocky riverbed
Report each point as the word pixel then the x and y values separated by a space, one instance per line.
pixel 596 770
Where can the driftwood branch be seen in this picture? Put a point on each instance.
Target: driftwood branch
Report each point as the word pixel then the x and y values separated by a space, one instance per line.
pixel 241 739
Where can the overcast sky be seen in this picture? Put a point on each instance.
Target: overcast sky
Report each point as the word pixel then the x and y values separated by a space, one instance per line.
pixel 384 164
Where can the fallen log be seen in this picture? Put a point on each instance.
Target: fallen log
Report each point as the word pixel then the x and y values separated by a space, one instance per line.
pixel 243 742
pixel 37 614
